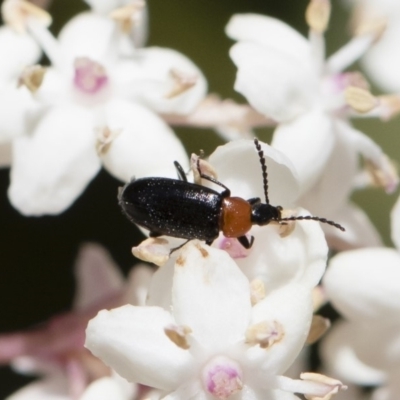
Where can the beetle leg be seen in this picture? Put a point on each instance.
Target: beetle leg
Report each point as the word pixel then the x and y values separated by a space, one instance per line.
pixel 181 173
pixel 155 234
pixel 209 242
pixel 245 242
pixel 225 193
pixel 177 248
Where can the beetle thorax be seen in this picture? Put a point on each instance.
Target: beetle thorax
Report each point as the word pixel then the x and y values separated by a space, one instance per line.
pixel 263 214
pixel 235 217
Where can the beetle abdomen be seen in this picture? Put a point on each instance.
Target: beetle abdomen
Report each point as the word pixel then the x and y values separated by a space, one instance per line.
pixel 173 208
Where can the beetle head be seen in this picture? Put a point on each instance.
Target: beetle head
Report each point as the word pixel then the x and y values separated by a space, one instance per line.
pixel 263 214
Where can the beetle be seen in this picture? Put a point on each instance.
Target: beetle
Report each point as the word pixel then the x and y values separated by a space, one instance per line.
pixel 189 211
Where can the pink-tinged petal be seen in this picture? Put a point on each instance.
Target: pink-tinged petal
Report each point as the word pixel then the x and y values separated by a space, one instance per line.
pixel 339 356
pixel 22 110
pixel 97 275
pixel 211 296
pixel 308 141
pixel 275 84
pixel 18 51
pixel 108 388
pixel 365 284
pixel 238 167
pixel 269 32
pixel 161 79
pixel 53 167
pixel 360 231
pixel 87 35
pixel 395 219
pixel 50 388
pixel 290 310
pixel 132 341
pixel 5 155
pixel 298 257
pixel 143 144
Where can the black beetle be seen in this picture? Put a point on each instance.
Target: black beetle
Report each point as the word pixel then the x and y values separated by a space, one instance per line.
pixel 189 211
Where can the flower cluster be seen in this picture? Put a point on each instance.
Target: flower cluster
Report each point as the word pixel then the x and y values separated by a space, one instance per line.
pixel 241 240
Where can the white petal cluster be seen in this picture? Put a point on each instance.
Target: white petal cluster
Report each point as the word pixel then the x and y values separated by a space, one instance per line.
pixel 381 62
pixel 286 77
pixel 97 106
pixel 222 327
pixel 364 286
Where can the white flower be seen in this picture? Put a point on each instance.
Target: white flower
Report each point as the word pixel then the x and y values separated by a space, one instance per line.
pixel 382 61
pixel 18 51
pixel 211 341
pixel 286 77
pixel 364 287
pixel 92 90
pixel 54 351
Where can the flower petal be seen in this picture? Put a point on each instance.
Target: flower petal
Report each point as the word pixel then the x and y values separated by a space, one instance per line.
pixel 269 32
pixel 52 168
pixel 105 389
pixel 395 219
pixel 5 155
pixel 87 35
pixel 340 358
pixel 275 84
pixel 308 142
pixel 51 388
pixel 143 138
pixel 211 296
pixel 155 74
pixel 132 341
pixel 97 276
pixel 381 62
pixel 18 51
pixel 365 284
pixel 104 7
pixel 21 112
pixel 290 307
pixel 335 185
pixel 238 166
pixel 299 257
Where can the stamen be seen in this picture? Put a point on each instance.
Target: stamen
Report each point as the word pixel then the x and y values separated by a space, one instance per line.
pixel 32 77
pixel 318 14
pixel 257 291
pixel 196 163
pixel 128 15
pixel 105 136
pixel 222 377
pixel 153 250
pixel 360 100
pixel 265 334
pixel 319 297
pixel 375 26
pixel 332 386
pixel 181 83
pixel 16 14
pixel 319 326
pixel 389 106
pixel 384 176
pixel 178 335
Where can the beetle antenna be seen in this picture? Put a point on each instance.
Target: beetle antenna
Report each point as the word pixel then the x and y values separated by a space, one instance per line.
pixel 263 168
pixel 310 217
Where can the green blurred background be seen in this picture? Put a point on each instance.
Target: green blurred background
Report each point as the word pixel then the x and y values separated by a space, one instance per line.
pixel 37 254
